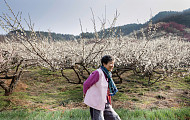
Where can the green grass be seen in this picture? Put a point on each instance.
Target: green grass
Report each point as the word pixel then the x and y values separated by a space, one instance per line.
pixel 80 114
pixel 50 90
pixel 160 114
pixel 187 79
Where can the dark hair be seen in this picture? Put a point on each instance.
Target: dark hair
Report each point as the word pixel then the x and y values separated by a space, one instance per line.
pixel 107 58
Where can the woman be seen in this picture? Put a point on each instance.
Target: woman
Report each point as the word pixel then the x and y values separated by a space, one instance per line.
pixel 98 89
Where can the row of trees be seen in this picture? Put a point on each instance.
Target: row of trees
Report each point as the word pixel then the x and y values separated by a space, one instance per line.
pixel 54 36
pixel 148 58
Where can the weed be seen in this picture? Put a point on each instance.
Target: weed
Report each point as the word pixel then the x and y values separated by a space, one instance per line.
pixel 80 114
pixel 120 96
pixel 187 79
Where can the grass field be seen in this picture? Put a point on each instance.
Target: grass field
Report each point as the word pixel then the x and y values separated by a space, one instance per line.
pixel 46 95
pixel 80 114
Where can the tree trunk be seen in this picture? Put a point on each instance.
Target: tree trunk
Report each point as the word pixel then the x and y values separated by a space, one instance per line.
pixel 7 93
pixel 5 87
pixel 9 89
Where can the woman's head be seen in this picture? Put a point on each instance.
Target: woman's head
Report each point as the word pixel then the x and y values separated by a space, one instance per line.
pixel 108 62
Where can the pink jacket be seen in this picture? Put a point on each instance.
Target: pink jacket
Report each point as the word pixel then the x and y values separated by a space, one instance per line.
pixel 96 95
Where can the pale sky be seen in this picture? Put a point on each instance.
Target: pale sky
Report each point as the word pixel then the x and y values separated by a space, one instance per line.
pixel 62 16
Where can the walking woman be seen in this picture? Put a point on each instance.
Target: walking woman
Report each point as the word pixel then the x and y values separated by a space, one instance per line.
pixel 98 89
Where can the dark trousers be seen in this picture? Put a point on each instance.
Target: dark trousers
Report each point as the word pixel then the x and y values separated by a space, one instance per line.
pixel 107 114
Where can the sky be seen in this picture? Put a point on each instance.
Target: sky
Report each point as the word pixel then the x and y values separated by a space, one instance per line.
pixel 62 16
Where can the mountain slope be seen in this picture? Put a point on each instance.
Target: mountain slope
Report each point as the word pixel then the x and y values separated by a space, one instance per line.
pixel 182 18
pixel 163 15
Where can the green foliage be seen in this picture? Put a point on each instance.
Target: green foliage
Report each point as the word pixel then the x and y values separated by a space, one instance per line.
pixel 79 114
pixel 180 19
pixel 127 29
pixel 3 103
pixel 120 96
pixel 51 35
pixel 86 35
pixel 13 115
pixel 75 95
pixel 187 79
pixel 162 15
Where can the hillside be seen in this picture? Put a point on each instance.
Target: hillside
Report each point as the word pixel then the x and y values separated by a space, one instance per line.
pixel 163 15
pixel 54 36
pixel 182 18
